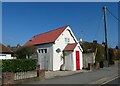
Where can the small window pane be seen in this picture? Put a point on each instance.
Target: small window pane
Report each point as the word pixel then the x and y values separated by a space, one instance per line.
pixel 42 50
pixel 65 39
pixel 68 40
pixel 45 50
pixel 39 50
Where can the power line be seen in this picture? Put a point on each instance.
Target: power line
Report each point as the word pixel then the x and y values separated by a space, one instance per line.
pixel 113 15
pixel 99 26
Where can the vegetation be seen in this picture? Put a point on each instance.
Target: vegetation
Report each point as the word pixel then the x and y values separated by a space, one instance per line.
pixel 114 54
pixel 18 65
pixel 100 56
pixel 0 65
pixel 89 47
pixel 22 52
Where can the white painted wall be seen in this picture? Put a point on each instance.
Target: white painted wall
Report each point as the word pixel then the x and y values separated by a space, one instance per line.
pixel 74 57
pixel 88 58
pixel 6 56
pixel 69 60
pixel 43 57
pixel 60 43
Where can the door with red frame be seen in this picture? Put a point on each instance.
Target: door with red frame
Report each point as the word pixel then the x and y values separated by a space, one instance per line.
pixel 77 60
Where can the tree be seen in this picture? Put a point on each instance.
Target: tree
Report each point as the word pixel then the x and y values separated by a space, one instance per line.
pixel 22 52
pixel 8 46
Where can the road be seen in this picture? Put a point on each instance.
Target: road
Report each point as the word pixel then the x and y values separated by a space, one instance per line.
pixel 114 81
pixel 93 77
pixel 0 78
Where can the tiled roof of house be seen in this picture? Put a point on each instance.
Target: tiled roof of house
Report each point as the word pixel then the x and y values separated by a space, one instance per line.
pixel 70 46
pixel 47 37
pixel 88 47
pixel 4 49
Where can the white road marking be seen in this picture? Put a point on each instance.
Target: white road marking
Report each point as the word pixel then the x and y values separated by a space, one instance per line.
pixel 110 80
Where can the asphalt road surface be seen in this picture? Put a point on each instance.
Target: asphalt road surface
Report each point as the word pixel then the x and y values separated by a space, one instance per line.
pixel 83 78
pixel 115 81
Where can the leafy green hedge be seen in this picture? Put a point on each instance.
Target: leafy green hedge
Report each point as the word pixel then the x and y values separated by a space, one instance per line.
pixel 18 65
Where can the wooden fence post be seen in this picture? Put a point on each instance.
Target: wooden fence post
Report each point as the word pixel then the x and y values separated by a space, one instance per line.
pixel 38 69
pixel 40 73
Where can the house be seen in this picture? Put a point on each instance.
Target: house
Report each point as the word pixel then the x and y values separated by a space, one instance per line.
pixel 58 47
pixel 5 53
pixel 93 54
pixel 89 53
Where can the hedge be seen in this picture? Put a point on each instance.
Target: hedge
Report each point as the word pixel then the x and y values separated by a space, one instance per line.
pixel 114 54
pixel 100 56
pixel 18 65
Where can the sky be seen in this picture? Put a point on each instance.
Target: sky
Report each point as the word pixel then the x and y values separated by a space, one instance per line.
pixel 0 21
pixel 61 0
pixel 22 20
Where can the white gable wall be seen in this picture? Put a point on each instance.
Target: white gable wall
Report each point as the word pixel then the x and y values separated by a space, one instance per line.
pixel 60 43
pixel 72 34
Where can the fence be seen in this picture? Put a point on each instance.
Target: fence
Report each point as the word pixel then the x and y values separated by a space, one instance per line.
pixel 25 75
pixel 21 77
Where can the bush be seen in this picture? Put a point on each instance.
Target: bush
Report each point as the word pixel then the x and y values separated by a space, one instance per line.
pixel 100 56
pixel 114 54
pixel 0 65
pixel 22 52
pixel 88 47
pixel 18 65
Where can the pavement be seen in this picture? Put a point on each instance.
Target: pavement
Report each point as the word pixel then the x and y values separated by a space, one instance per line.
pixel 99 76
pixel 54 74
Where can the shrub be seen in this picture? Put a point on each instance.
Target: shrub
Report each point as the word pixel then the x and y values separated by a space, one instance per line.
pixel 18 65
pixel 100 56
pixel 114 54
pixel 26 50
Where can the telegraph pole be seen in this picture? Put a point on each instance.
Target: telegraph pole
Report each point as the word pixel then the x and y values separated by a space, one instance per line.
pixel 106 39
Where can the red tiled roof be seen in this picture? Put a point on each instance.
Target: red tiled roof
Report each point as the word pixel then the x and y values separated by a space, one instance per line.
pixel 47 37
pixel 4 49
pixel 70 46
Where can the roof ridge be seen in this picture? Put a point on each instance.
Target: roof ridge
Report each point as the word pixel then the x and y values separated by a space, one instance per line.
pixel 46 37
pixel 50 31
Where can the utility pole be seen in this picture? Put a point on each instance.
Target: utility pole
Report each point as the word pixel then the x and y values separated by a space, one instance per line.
pixel 106 39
